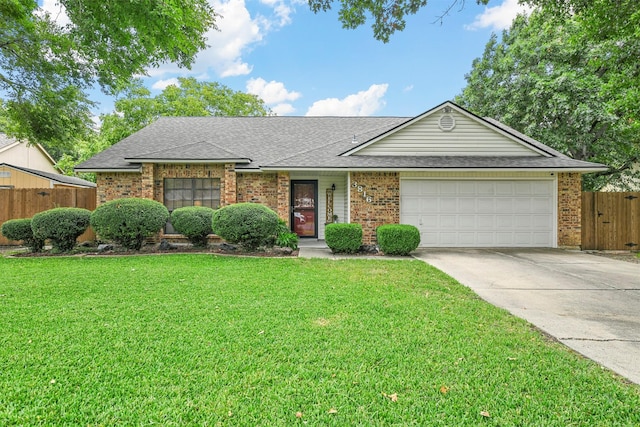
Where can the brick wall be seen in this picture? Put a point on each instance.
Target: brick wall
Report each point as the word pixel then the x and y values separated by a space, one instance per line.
pixel 229 193
pixel 147 181
pixel 117 185
pixel 383 207
pixel 569 209
pixel 258 188
pixel 284 200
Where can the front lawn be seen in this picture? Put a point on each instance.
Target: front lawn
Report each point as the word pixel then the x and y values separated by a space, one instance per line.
pixel 206 340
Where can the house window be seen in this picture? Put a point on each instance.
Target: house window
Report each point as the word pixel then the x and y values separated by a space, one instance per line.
pixel 181 192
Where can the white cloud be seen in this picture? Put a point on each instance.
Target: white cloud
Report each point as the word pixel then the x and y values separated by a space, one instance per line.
pixel 282 10
pixel 283 109
pixel 238 32
pixel 499 17
pixel 363 103
pixel 271 92
pixel 97 122
pixel 57 12
pixel 408 88
pixel 162 84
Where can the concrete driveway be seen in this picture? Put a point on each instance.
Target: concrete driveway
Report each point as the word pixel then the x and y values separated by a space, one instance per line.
pixel 589 303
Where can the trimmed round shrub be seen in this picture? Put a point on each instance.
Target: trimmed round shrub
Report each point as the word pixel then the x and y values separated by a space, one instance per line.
pixel 249 224
pixel 61 226
pixel 343 238
pixel 20 229
pixel 398 239
pixel 129 221
pixel 193 222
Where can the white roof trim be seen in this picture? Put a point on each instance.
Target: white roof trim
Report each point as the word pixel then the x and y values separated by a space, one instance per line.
pixel 187 161
pixel 9 146
pixel 52 181
pixel 91 170
pixel 374 169
pixel 465 113
pixel 37 146
pixel 46 153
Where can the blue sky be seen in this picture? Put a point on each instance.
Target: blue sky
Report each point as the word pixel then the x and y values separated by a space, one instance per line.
pixel 302 63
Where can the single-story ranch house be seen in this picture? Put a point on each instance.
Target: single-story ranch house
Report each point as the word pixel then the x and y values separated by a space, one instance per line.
pixel 463 180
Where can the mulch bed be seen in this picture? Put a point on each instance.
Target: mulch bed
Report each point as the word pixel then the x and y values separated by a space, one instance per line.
pixel 149 249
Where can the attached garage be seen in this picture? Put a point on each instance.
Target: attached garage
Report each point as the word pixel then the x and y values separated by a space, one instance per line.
pixel 481 212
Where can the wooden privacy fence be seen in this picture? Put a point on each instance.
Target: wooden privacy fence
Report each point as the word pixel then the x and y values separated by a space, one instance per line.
pixel 26 202
pixel 611 221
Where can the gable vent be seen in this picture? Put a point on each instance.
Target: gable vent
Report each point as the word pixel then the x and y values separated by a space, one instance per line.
pixel 446 122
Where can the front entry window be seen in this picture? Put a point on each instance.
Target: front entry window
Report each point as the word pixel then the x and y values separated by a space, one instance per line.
pixel 181 192
pixel 303 201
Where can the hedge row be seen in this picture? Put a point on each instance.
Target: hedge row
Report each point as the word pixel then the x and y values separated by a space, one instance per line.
pixel 61 226
pixel 393 239
pixel 125 221
pixel 130 221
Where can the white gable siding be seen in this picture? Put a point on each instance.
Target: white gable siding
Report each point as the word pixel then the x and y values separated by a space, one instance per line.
pixel 27 156
pixel 425 138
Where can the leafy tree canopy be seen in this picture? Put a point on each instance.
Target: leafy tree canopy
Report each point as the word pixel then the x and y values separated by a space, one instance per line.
pixel 136 108
pixel 46 66
pixel 388 15
pixel 604 18
pixel 547 79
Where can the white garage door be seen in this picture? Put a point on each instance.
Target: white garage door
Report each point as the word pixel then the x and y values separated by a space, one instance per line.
pixel 480 213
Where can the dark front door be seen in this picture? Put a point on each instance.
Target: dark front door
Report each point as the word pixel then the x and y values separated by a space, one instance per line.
pixel 304 212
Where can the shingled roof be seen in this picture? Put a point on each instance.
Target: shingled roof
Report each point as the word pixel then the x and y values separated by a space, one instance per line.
pixel 282 143
pixel 260 141
pixel 58 178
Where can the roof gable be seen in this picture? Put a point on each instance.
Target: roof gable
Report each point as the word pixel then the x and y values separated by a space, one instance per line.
pixel 448 130
pixel 24 154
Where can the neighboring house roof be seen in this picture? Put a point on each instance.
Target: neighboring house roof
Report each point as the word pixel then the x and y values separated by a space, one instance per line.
pixel 60 179
pixel 282 143
pixel 6 143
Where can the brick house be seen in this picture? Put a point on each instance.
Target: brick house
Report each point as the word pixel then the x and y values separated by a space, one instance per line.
pixel 463 180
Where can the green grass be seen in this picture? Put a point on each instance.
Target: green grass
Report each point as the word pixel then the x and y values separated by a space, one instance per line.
pixel 204 340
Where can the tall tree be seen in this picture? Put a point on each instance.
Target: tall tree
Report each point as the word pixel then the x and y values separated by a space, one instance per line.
pixel 46 67
pixel 135 108
pixel 605 17
pixel 546 79
pixel 388 16
pixel 614 25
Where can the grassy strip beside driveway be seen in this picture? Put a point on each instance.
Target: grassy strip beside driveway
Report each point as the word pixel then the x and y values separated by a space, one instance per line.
pixel 206 340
